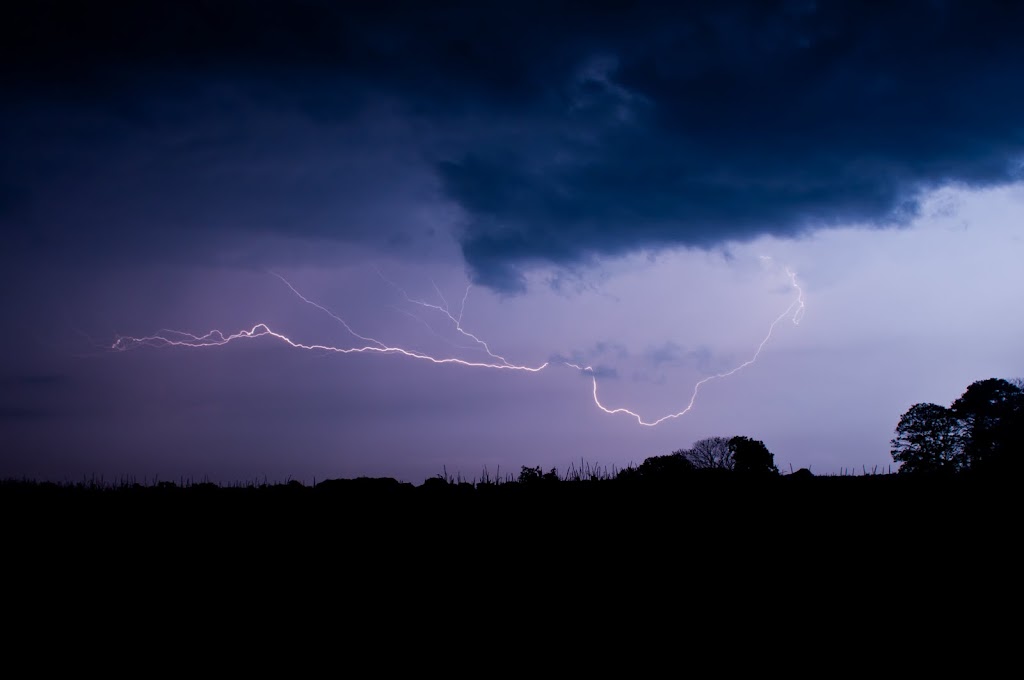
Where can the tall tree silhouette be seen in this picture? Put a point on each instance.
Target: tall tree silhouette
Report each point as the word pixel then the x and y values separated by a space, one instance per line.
pixel 929 439
pixel 991 415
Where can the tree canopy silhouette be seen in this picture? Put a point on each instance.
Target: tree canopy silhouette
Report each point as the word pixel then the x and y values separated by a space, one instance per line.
pixel 741 455
pixel 928 440
pixel 667 467
pixel 752 457
pixel 712 453
pixel 991 414
pixel 982 431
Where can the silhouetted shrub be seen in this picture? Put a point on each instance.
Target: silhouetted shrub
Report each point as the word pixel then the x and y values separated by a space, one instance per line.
pixel 752 457
pixel 663 468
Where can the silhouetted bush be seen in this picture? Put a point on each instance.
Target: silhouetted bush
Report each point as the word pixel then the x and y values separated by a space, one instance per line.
pixel 752 457
pixel 664 468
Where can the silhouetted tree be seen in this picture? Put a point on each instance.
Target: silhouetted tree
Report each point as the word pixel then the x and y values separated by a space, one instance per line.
pixel 991 416
pixel 928 440
pixel 712 453
pixel 752 457
pixel 982 431
pixel 671 466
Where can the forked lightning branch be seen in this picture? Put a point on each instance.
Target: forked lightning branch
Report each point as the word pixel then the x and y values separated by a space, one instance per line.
pixel 215 338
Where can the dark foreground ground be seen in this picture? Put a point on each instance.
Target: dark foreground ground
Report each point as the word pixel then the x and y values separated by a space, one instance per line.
pixel 773 514
pixel 849 564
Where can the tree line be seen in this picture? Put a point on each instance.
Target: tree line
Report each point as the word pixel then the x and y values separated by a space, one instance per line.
pixel 981 432
pixel 743 456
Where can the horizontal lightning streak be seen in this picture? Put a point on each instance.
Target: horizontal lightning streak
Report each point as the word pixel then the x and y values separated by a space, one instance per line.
pixel 216 338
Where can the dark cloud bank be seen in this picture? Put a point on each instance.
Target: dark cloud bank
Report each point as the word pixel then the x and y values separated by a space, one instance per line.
pixel 560 130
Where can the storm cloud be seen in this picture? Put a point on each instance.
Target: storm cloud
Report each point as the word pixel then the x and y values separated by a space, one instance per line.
pixel 538 133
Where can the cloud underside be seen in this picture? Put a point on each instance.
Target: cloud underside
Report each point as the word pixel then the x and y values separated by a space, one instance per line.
pixel 558 133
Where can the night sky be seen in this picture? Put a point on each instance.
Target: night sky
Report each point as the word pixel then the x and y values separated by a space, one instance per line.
pixel 622 185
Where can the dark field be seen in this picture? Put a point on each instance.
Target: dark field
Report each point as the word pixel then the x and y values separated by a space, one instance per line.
pixel 785 511
pixel 862 553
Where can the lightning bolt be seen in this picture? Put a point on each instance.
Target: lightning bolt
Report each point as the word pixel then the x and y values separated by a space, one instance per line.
pixel 795 312
pixel 216 338
pixel 331 314
pixel 430 329
pixel 445 310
